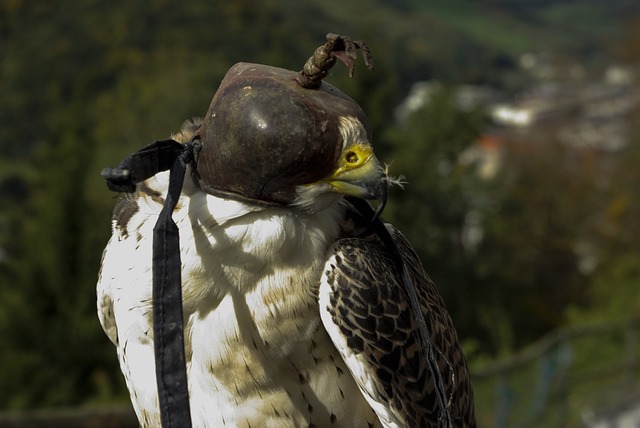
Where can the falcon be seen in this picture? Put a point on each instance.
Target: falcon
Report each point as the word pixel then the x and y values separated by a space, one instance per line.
pixel 296 309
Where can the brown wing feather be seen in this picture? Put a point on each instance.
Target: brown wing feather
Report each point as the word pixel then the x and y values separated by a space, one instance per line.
pixel 370 307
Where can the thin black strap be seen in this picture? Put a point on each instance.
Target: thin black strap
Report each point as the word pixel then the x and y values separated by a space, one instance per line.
pixel 168 326
pixel 383 233
pixel 168 331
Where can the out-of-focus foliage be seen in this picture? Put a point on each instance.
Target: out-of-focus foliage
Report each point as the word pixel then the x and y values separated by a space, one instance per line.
pixel 532 233
pixel 84 83
pixel 440 193
pixel 615 286
pixel 503 248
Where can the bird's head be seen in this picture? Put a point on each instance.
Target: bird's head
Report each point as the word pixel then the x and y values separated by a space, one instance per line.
pixel 267 137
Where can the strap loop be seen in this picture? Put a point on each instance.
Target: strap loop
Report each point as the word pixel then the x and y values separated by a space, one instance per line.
pixel 143 164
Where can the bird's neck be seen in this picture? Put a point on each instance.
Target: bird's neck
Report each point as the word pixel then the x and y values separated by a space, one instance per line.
pixel 235 245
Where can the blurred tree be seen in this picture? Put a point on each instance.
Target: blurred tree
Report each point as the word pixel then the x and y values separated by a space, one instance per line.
pixel 614 292
pixel 441 192
pixel 51 345
pixel 504 250
pixel 615 232
pixel 528 263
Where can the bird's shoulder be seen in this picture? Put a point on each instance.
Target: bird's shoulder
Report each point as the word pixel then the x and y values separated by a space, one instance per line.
pixel 366 310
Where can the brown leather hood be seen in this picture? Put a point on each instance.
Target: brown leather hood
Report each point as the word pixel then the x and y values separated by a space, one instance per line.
pixel 264 134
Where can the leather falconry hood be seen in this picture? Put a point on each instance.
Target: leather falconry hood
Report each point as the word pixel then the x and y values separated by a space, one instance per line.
pixel 269 129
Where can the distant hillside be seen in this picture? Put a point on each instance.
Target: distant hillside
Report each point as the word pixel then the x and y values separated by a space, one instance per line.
pixel 516 25
pixel 468 40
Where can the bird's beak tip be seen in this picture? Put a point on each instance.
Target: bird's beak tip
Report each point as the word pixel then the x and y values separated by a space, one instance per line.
pixel 380 194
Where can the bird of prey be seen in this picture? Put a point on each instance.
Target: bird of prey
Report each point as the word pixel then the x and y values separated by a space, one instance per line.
pixel 295 310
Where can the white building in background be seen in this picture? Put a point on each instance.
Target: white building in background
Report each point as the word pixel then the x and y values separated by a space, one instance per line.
pixel 465 97
pixel 581 113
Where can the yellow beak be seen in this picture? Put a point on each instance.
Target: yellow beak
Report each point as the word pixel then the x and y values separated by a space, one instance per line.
pixel 359 174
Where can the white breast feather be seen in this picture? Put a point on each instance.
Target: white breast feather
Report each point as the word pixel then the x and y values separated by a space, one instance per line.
pixel 250 281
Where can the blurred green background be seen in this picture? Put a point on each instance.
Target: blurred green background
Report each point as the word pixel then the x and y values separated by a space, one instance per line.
pixel 514 123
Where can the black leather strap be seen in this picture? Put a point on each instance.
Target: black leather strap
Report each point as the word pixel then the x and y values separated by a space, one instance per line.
pixel 168 323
